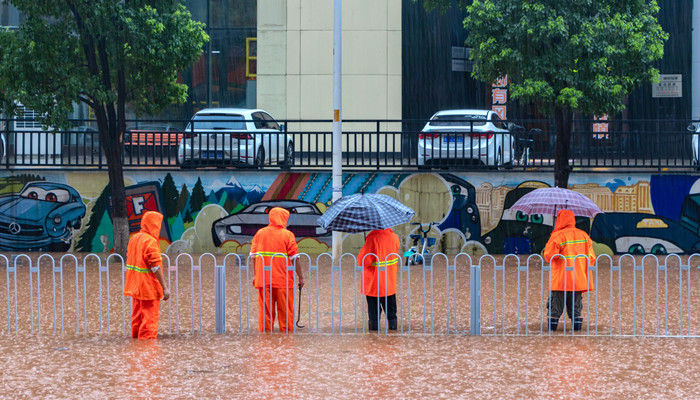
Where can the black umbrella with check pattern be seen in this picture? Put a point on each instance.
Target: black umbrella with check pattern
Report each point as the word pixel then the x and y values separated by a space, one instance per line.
pixel 365 212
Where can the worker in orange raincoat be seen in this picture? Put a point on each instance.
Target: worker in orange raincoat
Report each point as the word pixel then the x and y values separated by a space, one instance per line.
pixel 144 277
pixel 273 291
pixel 381 249
pixel 568 242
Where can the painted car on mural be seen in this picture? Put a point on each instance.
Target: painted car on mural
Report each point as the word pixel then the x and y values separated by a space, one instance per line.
pixel 41 217
pixel 242 226
pixel 520 233
pixel 638 233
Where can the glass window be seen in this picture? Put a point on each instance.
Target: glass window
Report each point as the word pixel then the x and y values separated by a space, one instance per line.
pixel 458 120
pixel 497 122
pixel 270 122
pixel 218 122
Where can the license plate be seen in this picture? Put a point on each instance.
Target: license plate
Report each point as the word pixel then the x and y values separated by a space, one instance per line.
pixel 213 154
pixel 452 139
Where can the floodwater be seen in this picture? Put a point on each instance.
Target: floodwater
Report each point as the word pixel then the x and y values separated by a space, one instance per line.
pixel 348 367
pixel 86 361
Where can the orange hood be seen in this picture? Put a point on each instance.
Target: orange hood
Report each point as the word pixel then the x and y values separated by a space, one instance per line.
pixel 565 220
pixel 279 217
pixel 150 223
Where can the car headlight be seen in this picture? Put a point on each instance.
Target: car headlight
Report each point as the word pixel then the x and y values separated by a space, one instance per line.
pixel 57 219
pixel 320 231
pixel 235 229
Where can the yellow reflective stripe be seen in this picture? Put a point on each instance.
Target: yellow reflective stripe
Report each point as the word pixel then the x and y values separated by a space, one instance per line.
pixel 270 253
pixel 573 242
pixel 577 255
pixel 385 263
pixel 137 269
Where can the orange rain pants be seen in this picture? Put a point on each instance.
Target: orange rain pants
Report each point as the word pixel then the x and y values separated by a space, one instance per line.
pixel 266 313
pixel 144 319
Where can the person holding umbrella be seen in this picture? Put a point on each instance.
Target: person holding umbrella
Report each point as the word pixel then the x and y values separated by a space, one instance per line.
pixel 564 245
pixel 379 287
pixel 273 287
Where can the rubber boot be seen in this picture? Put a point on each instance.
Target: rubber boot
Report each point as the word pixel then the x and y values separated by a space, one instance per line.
pixel 373 325
pixel 393 324
pixel 553 322
pixel 578 323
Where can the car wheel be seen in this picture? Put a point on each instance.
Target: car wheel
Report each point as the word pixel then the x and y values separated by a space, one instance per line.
pixel 498 161
pixel 288 156
pixel 58 247
pixel 260 158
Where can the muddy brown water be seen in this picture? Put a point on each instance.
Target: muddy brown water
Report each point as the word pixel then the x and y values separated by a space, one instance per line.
pixel 500 363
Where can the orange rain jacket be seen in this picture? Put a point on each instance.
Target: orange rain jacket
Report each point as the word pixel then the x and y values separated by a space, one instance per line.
pixel 570 242
pixel 271 240
pixel 143 254
pixel 381 243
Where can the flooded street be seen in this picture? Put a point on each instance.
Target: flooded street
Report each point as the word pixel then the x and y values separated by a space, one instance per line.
pixel 617 355
pixel 348 366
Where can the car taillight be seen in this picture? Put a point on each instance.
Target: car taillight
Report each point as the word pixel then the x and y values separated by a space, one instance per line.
pixel 241 136
pixel 485 135
pixel 428 135
pixel 189 135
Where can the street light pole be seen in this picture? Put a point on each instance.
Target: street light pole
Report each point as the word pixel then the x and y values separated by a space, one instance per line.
pixel 337 121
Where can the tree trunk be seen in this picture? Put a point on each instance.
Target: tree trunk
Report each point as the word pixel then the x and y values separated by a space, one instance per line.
pixel 110 138
pixel 562 169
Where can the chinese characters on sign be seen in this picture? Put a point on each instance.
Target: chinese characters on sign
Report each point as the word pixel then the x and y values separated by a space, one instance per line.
pixel 601 128
pixel 499 96
pixel 668 86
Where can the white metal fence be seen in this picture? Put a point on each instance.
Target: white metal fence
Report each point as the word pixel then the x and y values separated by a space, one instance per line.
pixel 451 294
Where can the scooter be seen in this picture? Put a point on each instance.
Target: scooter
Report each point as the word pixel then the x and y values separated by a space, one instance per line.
pixel 413 256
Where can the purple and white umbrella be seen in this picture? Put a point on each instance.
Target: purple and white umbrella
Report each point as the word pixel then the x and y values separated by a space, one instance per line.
pixel 550 200
pixel 365 212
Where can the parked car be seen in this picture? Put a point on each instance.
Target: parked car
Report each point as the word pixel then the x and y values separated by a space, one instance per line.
pixel 152 136
pixel 235 136
pixel 458 137
pixel 40 218
pixel 694 143
pixel 82 140
pixel 243 225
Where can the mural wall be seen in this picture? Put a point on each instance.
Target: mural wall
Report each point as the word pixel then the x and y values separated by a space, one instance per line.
pixel 220 211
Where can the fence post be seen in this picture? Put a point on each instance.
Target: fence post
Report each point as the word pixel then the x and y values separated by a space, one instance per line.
pixel 220 298
pixel 475 296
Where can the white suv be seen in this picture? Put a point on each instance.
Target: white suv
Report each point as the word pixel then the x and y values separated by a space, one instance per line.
pixel 234 136
pixel 457 137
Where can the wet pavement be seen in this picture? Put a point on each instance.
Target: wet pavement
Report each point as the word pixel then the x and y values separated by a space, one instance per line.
pixel 348 367
pixel 498 364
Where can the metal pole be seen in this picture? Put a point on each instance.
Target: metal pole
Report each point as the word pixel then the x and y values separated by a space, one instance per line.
pixel 695 61
pixel 337 121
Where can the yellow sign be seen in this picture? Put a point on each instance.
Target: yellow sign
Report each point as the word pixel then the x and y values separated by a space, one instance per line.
pixel 651 223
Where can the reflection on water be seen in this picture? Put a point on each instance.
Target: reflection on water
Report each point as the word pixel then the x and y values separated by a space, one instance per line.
pixel 347 366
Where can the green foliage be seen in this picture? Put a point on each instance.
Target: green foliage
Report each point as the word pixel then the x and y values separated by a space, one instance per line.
pixel 100 53
pixel 170 196
pixel 198 197
pixel 89 236
pixel 580 55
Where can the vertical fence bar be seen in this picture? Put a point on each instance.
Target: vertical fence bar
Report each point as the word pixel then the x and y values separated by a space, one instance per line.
pixel 361 270
pixel 475 298
pixel 220 297
pixel 449 268
pixel 238 264
pixel 404 267
pixel 245 284
pixel 120 261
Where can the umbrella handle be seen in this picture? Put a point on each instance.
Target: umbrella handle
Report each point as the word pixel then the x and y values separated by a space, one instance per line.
pixel 299 310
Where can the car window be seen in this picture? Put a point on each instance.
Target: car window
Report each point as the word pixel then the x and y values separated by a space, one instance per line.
pixel 52 195
pixel 458 120
pixel 270 122
pixel 217 122
pixel 302 210
pixel 258 120
pixel 497 121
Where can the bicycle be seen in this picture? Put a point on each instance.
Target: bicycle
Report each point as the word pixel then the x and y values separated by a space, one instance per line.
pixel 413 256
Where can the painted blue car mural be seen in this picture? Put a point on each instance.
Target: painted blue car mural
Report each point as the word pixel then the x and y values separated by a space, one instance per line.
pixel 638 233
pixel 40 218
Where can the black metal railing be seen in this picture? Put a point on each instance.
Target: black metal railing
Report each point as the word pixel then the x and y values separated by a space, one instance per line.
pixel 367 144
